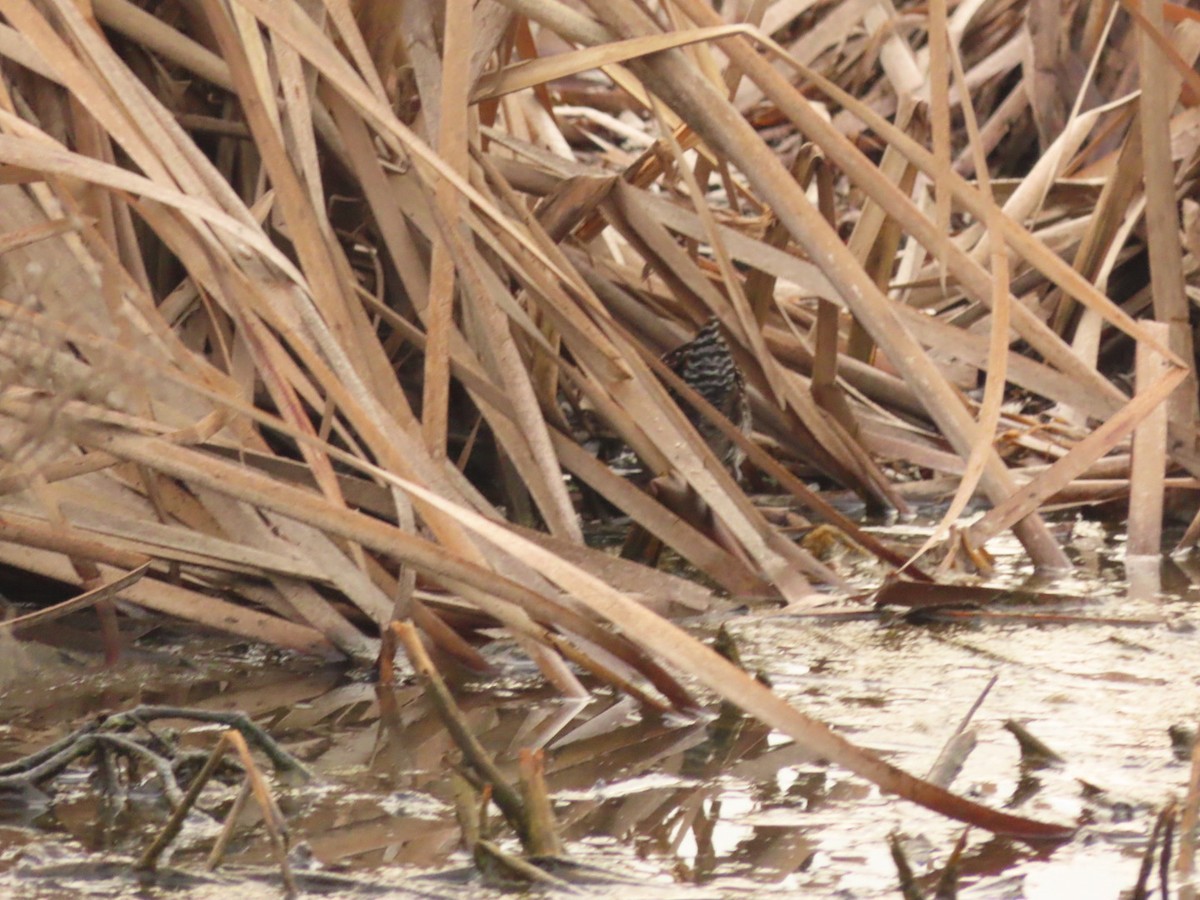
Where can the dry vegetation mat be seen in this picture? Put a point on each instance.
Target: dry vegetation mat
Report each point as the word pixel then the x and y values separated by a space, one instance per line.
pixel 326 310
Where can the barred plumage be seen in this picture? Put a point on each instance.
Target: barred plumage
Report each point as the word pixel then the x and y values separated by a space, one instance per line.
pixel 708 367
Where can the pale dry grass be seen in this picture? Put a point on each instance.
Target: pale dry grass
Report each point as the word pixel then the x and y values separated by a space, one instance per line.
pixel 314 305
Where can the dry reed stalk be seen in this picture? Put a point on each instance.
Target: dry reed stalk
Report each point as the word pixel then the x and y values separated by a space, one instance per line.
pixel 323 306
pixel 1148 459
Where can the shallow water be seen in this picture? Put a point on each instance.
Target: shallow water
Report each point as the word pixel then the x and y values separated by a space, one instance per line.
pixel 679 809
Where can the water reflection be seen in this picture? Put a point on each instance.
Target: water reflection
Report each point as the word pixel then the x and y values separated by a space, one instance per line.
pixel 684 808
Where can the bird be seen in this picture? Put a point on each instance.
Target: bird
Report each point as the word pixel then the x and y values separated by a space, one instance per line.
pixel 706 365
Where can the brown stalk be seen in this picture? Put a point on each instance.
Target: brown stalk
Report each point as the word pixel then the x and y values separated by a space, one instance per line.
pixel 1083 455
pixel 1162 214
pixel 971 276
pixel 674 646
pixel 509 602
pixel 273 821
pixel 83 601
pixel 726 131
pixel 480 761
pixel 1149 457
pixel 449 109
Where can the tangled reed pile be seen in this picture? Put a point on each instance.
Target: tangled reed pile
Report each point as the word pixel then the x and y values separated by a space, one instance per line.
pixel 322 307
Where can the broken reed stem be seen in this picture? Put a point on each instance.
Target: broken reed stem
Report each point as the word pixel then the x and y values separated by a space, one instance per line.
pixel 507 799
pixel 272 818
pixel 589 663
pixel 482 816
pixel 543 829
pixel 959 745
pixel 108 778
pixel 226 835
pixel 951 759
pixel 149 859
pixel 465 809
pixel 387 658
pixel 1149 454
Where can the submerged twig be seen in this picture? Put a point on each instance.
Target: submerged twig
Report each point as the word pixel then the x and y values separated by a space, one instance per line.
pixel 51 760
pixel 280 758
pixel 160 765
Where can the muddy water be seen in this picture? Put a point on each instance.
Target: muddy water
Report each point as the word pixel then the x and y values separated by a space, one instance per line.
pixel 668 808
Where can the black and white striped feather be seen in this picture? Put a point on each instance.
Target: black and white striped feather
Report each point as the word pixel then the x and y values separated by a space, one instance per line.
pixel 707 366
